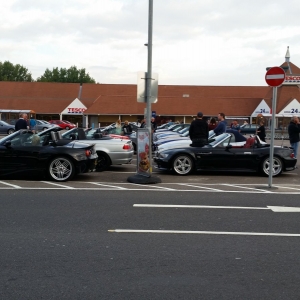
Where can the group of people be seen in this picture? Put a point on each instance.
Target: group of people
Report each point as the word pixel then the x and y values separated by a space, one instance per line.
pixel 24 123
pixel 199 129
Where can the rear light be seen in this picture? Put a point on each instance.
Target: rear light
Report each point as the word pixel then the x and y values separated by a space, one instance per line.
pixel 292 155
pixel 126 147
pixel 87 152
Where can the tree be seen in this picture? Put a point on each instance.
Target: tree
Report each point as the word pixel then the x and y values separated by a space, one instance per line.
pixel 10 72
pixel 66 75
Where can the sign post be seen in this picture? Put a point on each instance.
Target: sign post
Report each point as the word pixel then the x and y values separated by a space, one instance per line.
pixel 144 168
pixel 274 77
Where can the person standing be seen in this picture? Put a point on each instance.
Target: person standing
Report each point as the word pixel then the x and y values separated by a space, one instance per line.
pixel 143 124
pixel 294 130
pixel 32 125
pixel 261 131
pixel 212 124
pixel 221 127
pixel 199 131
pixel 127 129
pixel 118 127
pixel 153 124
pixel 22 122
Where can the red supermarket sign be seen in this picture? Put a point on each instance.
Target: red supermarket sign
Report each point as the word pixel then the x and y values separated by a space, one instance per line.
pixel 75 110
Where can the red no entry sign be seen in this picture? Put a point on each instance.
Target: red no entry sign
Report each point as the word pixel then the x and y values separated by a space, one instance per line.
pixel 275 76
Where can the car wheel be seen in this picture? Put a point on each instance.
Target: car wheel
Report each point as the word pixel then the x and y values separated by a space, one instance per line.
pixel 277 166
pixel 61 169
pixel 103 162
pixel 10 131
pixel 67 127
pixel 45 128
pixel 183 165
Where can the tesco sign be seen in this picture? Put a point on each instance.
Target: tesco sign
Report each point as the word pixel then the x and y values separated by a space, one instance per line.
pixel 75 110
pixel 292 79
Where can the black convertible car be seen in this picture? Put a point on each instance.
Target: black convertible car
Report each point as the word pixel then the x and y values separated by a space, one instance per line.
pixel 222 155
pixel 60 159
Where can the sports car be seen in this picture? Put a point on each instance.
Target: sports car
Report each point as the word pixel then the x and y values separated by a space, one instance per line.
pixel 110 151
pixel 222 155
pixel 24 151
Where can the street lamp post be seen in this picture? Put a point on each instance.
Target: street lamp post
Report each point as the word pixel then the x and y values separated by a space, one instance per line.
pixel 149 79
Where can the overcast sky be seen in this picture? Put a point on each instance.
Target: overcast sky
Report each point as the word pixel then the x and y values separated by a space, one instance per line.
pixel 195 42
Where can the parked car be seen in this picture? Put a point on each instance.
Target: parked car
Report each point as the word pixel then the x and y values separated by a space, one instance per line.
pixel 221 155
pixel 110 151
pixel 43 125
pixel 59 159
pixel 62 124
pixel 6 128
pixel 68 122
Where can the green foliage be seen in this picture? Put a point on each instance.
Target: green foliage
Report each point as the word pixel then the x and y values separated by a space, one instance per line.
pixel 10 72
pixel 66 75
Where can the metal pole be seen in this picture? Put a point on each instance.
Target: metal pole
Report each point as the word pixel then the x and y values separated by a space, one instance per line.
pixel 272 136
pixel 149 79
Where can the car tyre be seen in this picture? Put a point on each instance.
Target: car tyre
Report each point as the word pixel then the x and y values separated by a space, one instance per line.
pixel 183 164
pixel 45 128
pixel 277 166
pixel 67 127
pixel 61 169
pixel 10 131
pixel 103 162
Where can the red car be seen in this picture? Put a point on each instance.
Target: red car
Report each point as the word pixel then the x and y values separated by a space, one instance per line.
pixel 62 124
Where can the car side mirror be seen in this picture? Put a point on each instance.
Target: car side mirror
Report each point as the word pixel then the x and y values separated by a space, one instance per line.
pixel 7 144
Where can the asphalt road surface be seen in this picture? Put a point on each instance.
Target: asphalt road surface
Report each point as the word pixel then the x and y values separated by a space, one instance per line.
pixel 72 244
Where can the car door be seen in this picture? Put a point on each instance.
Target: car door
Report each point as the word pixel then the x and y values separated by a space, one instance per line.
pixel 215 156
pixel 24 154
pixel 5 161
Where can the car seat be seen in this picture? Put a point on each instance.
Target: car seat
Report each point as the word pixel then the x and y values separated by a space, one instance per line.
pixel 250 142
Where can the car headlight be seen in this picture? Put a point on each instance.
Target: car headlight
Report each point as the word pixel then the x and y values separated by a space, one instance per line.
pixel 162 155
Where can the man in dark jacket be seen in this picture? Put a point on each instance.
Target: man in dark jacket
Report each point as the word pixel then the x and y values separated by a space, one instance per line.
pixel 294 130
pixel 22 122
pixel 199 131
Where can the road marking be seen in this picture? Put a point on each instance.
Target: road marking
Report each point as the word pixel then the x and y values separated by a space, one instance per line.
pixel 284 209
pixel 199 187
pixel 108 185
pixel 12 185
pixel 56 184
pixel 163 188
pixel 287 187
pixel 205 232
pixel 197 206
pixel 273 208
pixel 247 188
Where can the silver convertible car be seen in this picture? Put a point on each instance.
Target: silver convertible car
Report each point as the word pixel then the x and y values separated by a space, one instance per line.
pixel 110 151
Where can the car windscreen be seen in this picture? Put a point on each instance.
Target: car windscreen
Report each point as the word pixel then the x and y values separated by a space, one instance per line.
pixel 217 139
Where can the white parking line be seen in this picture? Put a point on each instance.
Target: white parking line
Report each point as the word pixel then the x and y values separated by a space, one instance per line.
pixel 162 188
pixel 197 206
pixel 200 187
pixel 286 187
pixel 205 232
pixel 107 185
pixel 12 185
pixel 247 188
pixel 56 184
